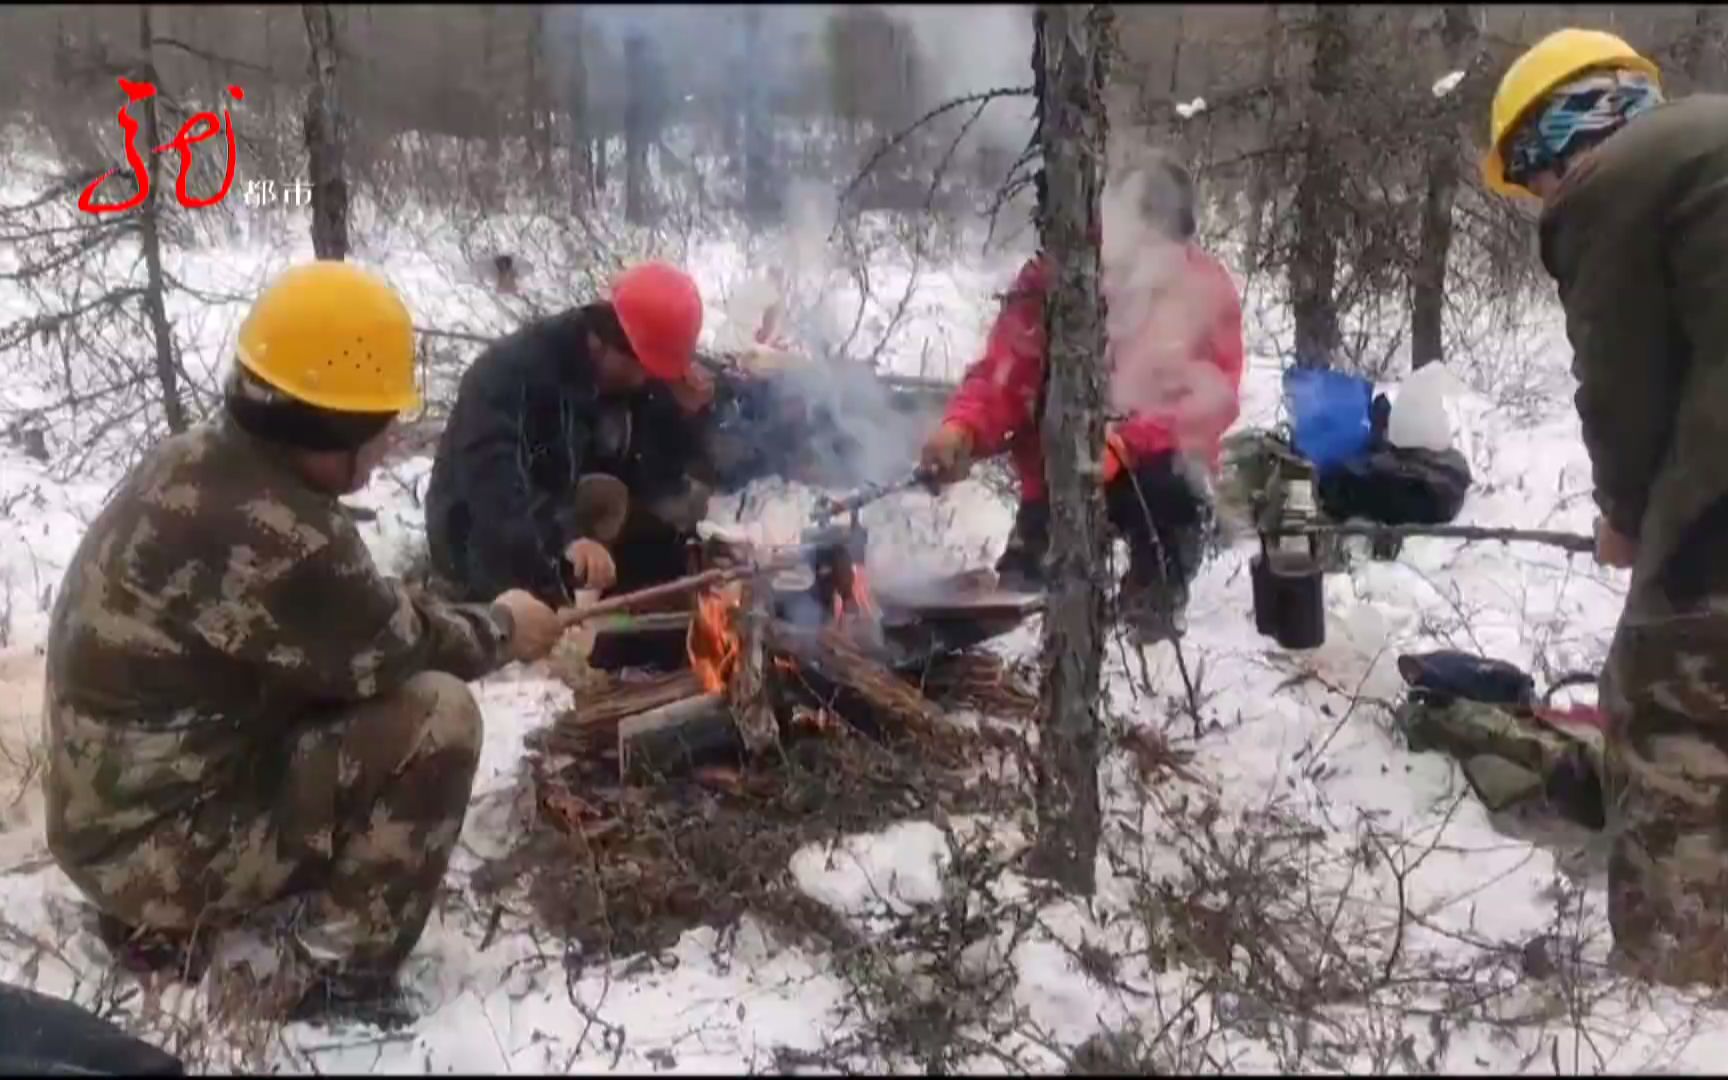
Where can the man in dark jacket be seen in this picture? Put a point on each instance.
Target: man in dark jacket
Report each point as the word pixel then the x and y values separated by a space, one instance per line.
pixel 605 389
pixel 1634 229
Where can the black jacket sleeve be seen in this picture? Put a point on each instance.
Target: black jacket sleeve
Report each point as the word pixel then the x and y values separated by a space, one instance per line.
pixel 494 452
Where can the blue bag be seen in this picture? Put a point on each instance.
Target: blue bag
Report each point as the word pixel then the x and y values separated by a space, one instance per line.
pixel 1329 414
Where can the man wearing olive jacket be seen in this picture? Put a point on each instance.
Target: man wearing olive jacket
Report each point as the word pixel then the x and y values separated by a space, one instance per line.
pixel 1634 229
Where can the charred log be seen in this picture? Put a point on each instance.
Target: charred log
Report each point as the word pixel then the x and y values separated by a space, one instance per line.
pixel 676 738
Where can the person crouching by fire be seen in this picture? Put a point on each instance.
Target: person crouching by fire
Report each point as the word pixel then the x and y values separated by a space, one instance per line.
pixel 246 722
pixel 565 436
pixel 1174 333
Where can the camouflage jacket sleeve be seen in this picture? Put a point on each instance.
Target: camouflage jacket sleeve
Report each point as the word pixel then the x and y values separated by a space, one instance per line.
pixel 1605 251
pixel 333 629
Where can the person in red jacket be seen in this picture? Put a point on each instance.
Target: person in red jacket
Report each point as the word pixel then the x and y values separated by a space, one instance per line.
pixel 1174 328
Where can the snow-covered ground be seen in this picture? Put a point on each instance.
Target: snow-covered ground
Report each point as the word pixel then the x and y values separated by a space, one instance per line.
pixel 1415 877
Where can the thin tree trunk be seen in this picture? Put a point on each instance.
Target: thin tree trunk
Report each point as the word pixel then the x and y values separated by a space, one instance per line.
pixel 1261 174
pixel 322 125
pixel 637 137
pixel 1428 280
pixel 150 232
pixel 1176 59
pixel 1070 57
pixel 759 200
pixel 1705 47
pixel 537 103
pixel 1314 262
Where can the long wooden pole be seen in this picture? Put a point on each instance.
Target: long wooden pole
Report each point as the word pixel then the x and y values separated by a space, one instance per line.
pixel 1574 542
pixel 629 601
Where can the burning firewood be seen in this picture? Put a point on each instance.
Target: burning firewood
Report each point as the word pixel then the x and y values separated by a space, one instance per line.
pixel 772 658
pixel 828 653
pixel 979 681
pixel 747 691
pixel 727 653
pixel 599 708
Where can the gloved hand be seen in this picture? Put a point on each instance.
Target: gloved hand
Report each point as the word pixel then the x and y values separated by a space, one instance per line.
pixel 592 563
pixel 1614 548
pixel 535 626
pixel 947 455
pixel 1116 456
pixel 694 392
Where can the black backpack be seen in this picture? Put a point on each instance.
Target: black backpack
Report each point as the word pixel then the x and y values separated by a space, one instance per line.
pixel 1395 485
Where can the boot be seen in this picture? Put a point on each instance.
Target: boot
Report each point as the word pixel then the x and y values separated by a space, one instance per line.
pixel 348 997
pixel 1021 567
pixel 143 951
pixel 1152 610
pixel 1152 598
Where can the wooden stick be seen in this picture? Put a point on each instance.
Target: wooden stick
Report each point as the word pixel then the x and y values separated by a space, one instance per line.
pixel 651 622
pixel 569 617
pixel 1574 542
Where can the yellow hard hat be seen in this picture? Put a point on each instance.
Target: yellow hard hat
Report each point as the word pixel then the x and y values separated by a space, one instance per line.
pixel 333 335
pixel 1551 62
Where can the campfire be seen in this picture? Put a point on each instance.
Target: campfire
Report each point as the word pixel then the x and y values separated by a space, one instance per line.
pixel 808 649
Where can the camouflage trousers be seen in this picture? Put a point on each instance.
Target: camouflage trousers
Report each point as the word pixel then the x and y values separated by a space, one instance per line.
pixel 1666 691
pixel 351 840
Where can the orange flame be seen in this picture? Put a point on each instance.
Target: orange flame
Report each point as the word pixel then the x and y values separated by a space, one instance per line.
pixel 861 597
pixel 713 647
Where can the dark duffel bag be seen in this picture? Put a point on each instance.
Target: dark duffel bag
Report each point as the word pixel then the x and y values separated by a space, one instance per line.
pixel 1396 486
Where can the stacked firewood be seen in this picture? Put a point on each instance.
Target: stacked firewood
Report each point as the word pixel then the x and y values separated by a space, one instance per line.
pixel 755 679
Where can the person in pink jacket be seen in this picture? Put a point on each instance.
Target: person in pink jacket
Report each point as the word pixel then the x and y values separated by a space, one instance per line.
pixel 1174 327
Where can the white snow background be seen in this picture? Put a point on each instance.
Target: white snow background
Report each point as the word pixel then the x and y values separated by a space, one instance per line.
pixel 1473 895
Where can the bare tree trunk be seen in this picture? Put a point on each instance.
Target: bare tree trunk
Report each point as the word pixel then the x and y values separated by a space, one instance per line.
pixel 1261 172
pixel 537 105
pixel 1705 47
pixel 1070 57
pixel 1428 280
pixel 322 125
pixel 637 137
pixel 150 232
pixel 759 200
pixel 1319 191
pixel 1176 59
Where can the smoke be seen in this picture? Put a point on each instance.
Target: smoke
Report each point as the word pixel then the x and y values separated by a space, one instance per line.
pixel 787 318
pixel 1161 309
pixel 702 52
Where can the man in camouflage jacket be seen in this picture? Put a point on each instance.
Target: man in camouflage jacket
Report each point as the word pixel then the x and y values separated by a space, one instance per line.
pixel 1634 229
pixel 240 709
